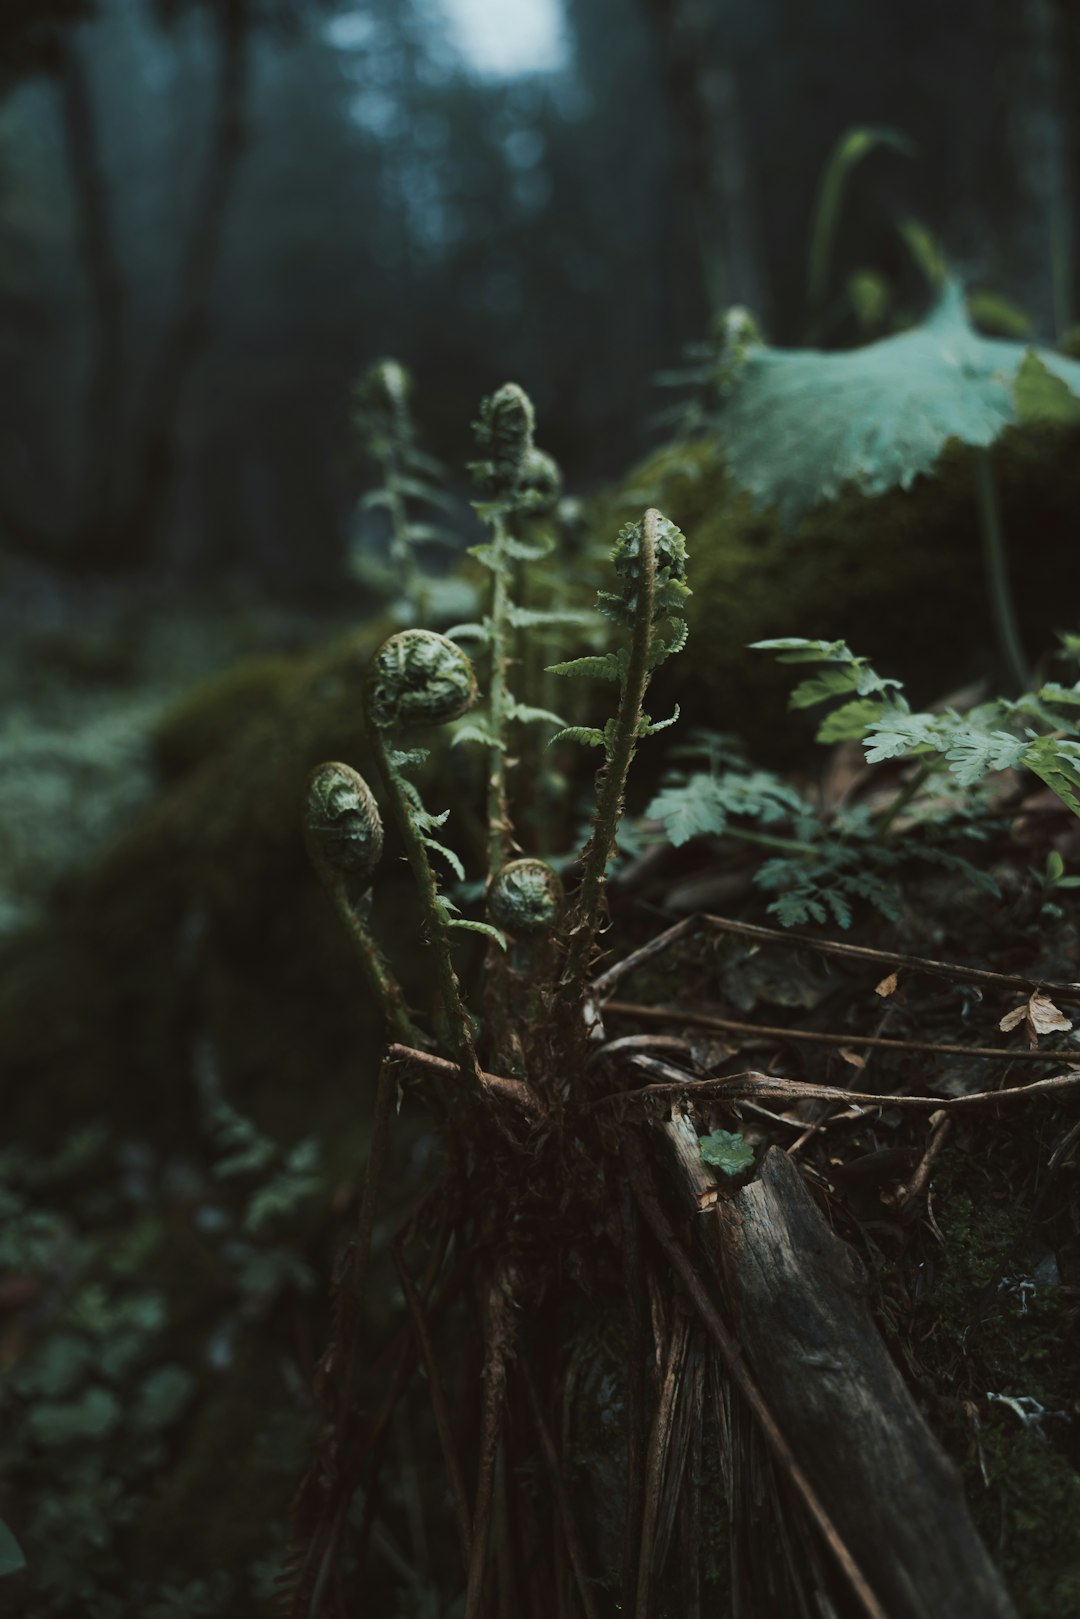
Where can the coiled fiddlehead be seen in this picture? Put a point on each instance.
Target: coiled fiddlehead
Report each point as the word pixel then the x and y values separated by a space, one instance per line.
pixel 526 898
pixel 343 832
pixel 418 678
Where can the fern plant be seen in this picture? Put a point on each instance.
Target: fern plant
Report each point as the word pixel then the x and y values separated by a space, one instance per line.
pixel 824 864
pixel 411 488
pixel 798 426
pixel 533 1024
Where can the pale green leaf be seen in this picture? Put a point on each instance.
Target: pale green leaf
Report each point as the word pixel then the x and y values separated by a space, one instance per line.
pixel 803 425
pixel 585 734
pixel 727 1152
pixel 603 666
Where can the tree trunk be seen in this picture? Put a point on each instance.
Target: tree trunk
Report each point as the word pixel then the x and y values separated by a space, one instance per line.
pixel 155 453
pixel 701 85
pixel 105 384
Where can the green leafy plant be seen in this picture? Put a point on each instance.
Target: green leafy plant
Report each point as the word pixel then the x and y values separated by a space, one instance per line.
pixel 106 1374
pixel 825 863
pixel 410 480
pixel 798 426
pixel 727 1152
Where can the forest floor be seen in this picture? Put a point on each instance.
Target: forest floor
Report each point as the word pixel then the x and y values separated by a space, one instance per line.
pixel 969 1231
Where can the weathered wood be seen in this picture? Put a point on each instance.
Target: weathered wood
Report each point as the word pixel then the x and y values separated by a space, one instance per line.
pixel 799 1297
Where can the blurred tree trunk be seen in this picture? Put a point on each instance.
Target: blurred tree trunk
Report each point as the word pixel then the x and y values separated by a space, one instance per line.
pixel 130 538
pixel 1040 242
pixel 701 85
pixel 102 445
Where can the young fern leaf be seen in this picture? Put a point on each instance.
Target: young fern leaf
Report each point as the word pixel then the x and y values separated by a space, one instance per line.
pixel 344 837
pixel 650 562
pixel 419 678
pixel 521 480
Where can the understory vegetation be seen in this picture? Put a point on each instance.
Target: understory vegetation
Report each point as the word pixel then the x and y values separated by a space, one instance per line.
pixel 356 1277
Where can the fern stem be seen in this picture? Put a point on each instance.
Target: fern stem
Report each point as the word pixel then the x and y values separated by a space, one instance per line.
pixel 377 975
pixel 401 550
pixel 910 790
pixel 995 563
pixel 586 915
pixel 766 840
pixel 453 1018
pixel 498 814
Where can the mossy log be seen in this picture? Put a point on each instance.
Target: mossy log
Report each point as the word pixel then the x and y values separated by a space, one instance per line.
pixel 798 1298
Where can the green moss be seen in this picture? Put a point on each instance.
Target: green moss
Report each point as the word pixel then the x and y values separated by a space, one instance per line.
pixel 899 577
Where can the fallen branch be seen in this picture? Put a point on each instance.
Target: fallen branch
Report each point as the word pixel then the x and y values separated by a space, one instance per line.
pixel 886 958
pixel 736 1087
pixel 508 1090
pixel 688 1017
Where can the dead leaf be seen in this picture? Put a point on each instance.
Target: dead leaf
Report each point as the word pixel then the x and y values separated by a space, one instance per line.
pixel 1045 1017
pixel 852 1057
pixel 887 986
pixel 1039 1015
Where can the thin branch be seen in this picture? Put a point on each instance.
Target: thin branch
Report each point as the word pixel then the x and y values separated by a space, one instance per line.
pixel 734 1087
pixel 605 983
pixel 686 1015
pixel 508 1090
pixel 889 958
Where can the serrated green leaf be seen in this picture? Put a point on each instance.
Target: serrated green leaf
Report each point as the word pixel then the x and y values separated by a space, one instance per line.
pixel 532 716
pixel 795 649
pixel 523 618
pixel 448 855
pixel 374 498
pixel 692 810
pixel 426 492
pixel 585 734
pixel 464 924
pixel 469 632
pixel 602 666
pixel 973 753
pixel 1057 763
pixel 477 731
pixel 849 723
pixel 652 726
pixel 727 1152
pixel 830 683
pixel 801 425
pixel 1067 695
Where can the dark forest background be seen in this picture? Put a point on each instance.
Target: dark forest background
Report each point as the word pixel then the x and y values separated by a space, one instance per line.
pixel 215 213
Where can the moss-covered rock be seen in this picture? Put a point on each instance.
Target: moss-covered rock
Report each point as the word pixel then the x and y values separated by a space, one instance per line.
pixel 900 577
